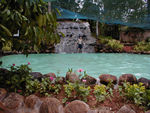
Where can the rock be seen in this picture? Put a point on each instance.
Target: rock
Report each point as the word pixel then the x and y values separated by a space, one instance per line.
pixel 3 93
pixel 13 101
pixel 4 71
pixel 89 80
pixel 3 109
pixel 103 109
pixel 76 106
pixel 72 77
pixel 51 105
pixel 92 111
pixel 127 78
pixel 147 111
pixel 71 31
pixel 32 104
pixel 106 78
pixel 37 75
pixel 32 101
pixel 145 82
pixel 50 75
pixel 126 109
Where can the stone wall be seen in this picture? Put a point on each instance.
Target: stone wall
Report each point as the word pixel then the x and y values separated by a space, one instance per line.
pixel 132 37
pixel 72 31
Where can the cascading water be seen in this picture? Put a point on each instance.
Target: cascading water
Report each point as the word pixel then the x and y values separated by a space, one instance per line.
pixel 72 31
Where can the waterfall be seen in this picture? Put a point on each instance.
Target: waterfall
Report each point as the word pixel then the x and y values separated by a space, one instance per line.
pixel 72 31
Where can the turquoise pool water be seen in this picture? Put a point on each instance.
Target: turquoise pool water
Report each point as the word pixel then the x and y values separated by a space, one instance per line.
pixel 93 64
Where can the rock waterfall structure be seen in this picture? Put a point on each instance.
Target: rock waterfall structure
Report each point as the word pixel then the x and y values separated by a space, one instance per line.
pixel 72 31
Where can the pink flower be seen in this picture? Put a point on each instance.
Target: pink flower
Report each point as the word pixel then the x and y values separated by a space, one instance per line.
pixel 29 63
pixel 80 70
pixel 19 91
pixel 84 80
pixel 51 78
pixel 13 64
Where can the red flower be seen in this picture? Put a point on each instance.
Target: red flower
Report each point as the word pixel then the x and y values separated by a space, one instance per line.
pixel 13 64
pixel 29 63
pixel 80 70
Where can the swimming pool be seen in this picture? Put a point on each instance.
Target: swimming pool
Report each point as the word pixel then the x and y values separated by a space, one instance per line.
pixel 94 64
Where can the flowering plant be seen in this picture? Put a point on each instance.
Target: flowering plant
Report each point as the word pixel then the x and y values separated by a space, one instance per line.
pixel 15 79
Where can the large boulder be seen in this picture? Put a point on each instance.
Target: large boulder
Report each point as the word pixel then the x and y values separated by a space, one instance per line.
pixel 126 109
pixel 76 106
pixel 103 109
pixel 50 75
pixel 89 80
pixel 3 109
pixel 72 77
pixel 36 75
pixel 32 101
pixel 13 102
pixel 106 78
pixel 145 82
pixel 32 104
pixel 127 78
pixel 51 105
pixel 3 93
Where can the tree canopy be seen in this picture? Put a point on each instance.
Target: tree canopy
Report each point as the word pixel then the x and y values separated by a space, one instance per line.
pixel 36 26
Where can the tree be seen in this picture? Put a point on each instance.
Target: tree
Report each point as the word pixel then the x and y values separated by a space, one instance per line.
pixel 35 24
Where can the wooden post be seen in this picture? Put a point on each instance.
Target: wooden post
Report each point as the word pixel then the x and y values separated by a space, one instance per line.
pixel 49 7
pixel 97 33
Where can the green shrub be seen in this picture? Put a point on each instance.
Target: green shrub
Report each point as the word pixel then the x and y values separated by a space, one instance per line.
pixel 16 78
pixel 142 46
pixel 111 43
pixel 44 87
pixel 7 46
pixel 136 93
pixel 115 45
pixel 100 92
pixel 74 90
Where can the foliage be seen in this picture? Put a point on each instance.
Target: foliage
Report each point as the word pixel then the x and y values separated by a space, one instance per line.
pixel 37 27
pixel 115 45
pixel 111 43
pixel 137 93
pixel 76 90
pixel 142 46
pixel 7 46
pixel 43 87
pixel 16 78
pixel 100 92
pixel 70 70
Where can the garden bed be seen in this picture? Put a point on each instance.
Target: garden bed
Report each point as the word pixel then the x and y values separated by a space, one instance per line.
pixel 38 92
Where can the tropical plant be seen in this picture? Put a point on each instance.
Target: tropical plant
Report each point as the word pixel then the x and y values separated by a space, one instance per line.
pixel 35 24
pixel 115 45
pixel 100 92
pixel 142 46
pixel 137 93
pixel 76 90
pixel 110 43
pixel 16 78
pixel 43 87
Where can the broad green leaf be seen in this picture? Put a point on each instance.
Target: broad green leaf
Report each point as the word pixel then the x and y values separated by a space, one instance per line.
pixel 6 30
